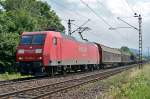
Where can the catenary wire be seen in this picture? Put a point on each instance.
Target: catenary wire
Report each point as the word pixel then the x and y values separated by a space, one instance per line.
pixel 100 3
pixel 129 6
pixel 77 13
pixel 96 13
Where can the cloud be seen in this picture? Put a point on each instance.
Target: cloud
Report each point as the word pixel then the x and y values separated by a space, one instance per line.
pixel 118 7
pixel 109 10
pixel 89 2
pixel 143 8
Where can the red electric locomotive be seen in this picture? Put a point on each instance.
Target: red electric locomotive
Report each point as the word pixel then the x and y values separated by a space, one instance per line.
pixel 52 52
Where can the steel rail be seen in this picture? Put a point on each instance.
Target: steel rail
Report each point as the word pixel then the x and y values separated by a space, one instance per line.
pixel 30 79
pixel 108 74
pixel 60 86
pixel 14 81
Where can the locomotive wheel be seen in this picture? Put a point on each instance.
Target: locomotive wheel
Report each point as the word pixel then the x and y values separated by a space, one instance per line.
pixel 86 68
pixel 63 70
pixel 90 67
pixel 82 68
pixel 102 66
pixel 50 71
pixel 69 68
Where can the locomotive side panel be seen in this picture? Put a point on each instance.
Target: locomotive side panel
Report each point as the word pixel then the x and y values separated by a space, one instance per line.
pixel 94 56
pixel 46 51
pixel 78 53
pixel 68 51
pixel 53 48
pixel 83 53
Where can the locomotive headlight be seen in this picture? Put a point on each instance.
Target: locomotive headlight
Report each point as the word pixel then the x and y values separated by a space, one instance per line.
pixel 39 58
pixel 38 51
pixel 21 51
pixel 20 58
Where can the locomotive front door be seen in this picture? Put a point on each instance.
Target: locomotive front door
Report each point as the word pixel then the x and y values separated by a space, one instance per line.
pixel 58 50
pixel 56 53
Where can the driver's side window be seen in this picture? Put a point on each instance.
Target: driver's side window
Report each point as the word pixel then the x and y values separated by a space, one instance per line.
pixel 54 40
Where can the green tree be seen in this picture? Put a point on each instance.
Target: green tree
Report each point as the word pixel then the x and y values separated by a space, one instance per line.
pixel 8 44
pixel 125 49
pixel 30 15
pixel 17 16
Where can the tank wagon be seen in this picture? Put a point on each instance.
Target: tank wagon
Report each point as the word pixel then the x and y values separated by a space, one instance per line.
pixel 51 52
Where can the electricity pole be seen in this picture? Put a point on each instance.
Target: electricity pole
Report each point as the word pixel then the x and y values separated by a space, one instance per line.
pixel 140 39
pixel 69 26
pixel 139 29
pixel 148 53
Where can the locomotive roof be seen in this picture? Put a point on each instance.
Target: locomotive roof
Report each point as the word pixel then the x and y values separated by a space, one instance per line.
pixel 62 34
pixel 73 38
pixel 37 32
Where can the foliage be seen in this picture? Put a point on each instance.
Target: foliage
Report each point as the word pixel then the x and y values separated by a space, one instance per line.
pixel 125 49
pixel 7 50
pixel 7 76
pixel 29 15
pixel 17 16
pixel 130 85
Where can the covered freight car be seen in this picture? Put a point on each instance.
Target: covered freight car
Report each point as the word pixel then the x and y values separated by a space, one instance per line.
pixel 109 56
pixel 125 58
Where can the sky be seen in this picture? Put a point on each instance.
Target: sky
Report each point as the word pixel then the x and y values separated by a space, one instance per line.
pixel 106 15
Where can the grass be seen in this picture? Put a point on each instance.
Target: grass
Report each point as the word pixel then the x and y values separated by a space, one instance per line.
pixel 132 84
pixel 7 76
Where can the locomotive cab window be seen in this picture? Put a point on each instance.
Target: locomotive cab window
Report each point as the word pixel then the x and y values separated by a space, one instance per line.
pixel 55 41
pixel 26 39
pixel 37 39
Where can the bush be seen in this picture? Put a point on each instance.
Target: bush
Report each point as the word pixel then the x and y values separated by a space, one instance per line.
pixel 8 43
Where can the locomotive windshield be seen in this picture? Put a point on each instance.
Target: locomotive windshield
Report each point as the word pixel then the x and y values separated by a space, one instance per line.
pixel 37 39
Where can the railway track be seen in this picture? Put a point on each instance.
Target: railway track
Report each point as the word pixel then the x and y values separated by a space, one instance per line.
pixel 51 88
pixel 30 79
pixel 20 80
pixel 19 84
